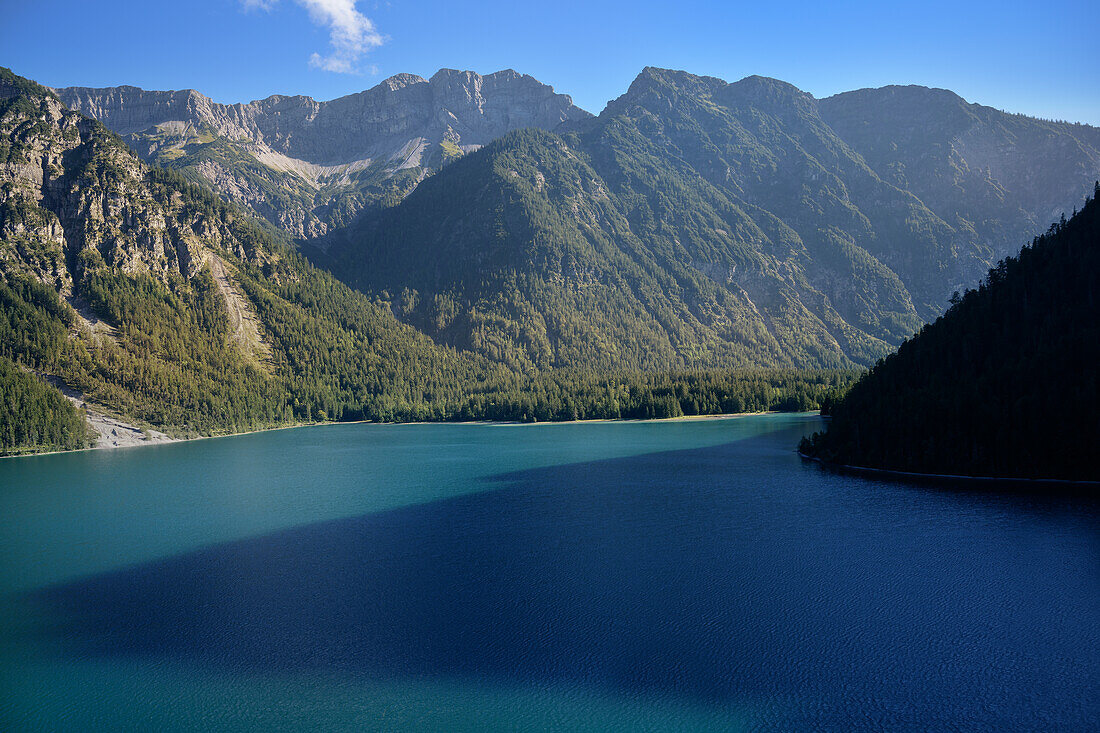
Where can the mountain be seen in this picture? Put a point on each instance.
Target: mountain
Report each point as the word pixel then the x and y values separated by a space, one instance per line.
pixel 1004 384
pixel 309 166
pixel 133 299
pixel 997 177
pixel 698 223
pixel 693 226
pixel 152 299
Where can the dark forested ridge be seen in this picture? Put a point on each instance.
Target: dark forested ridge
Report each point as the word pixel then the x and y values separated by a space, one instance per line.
pixel 160 303
pixel 1005 384
pixel 696 223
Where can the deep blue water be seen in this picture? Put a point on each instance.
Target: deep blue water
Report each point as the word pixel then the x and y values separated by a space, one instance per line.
pixel 660 575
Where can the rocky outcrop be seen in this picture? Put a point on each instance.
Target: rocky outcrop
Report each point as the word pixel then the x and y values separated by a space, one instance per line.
pixel 71 198
pixel 167 307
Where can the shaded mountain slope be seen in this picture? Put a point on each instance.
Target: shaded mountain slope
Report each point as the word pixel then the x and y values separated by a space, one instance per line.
pixel 1000 176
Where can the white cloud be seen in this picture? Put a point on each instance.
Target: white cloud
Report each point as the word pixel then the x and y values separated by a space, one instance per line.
pixel 351 33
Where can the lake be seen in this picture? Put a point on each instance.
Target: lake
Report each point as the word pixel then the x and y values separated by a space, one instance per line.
pixel 691 574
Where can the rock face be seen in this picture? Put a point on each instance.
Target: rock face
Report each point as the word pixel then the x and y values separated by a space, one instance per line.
pixel 308 166
pixel 70 196
pixel 163 305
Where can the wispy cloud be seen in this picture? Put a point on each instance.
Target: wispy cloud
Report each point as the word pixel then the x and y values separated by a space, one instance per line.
pixel 351 33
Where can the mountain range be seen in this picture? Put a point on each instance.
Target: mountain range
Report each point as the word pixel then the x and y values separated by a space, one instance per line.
pixel 697 222
pixel 471 246
pixel 309 166
pixel 148 297
pixel 693 223
pixel 152 303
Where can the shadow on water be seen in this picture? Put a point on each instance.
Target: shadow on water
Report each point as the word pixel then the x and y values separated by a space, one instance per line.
pixel 718 574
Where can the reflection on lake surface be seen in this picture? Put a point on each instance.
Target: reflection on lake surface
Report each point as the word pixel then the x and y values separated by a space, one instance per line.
pixel 655 575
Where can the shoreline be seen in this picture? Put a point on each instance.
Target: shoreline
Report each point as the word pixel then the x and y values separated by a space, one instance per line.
pixel 520 423
pixel 513 423
pixel 170 440
pixel 948 478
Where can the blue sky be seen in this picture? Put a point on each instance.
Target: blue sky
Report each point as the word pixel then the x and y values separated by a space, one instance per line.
pixel 1039 58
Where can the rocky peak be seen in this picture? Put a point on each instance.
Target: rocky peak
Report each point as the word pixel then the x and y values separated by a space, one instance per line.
pixel 763 92
pixel 130 109
pixel 663 90
pixel 903 93
pixel 400 81
pixel 922 109
pixel 401 108
pixel 674 81
pixel 75 191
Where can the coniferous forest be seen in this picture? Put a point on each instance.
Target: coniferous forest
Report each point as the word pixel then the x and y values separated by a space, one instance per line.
pixel 36 417
pixel 1005 384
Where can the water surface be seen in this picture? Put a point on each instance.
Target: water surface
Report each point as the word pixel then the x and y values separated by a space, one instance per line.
pixel 632 576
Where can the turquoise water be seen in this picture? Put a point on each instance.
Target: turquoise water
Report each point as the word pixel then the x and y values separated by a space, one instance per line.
pixel 632 576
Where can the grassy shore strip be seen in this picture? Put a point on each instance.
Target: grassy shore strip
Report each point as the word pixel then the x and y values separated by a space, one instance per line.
pixel 1018 484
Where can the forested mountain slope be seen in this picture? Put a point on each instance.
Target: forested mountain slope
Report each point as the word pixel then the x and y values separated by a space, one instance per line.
pixel 158 303
pixel 696 223
pixel 121 280
pixel 1006 383
pixel 308 166
pixel 523 252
